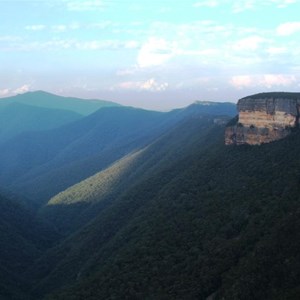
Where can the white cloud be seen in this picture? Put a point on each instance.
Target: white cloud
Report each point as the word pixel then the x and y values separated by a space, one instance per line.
pixel 205 53
pixel 241 81
pixel 4 92
pixel 289 28
pixel 155 52
pixel 59 28
pixel 56 28
pixel 284 3
pixel 207 3
pixel 238 6
pixel 38 27
pixel 107 44
pixel 250 43
pixel 277 50
pixel 131 44
pixel 74 26
pixel 77 5
pixel 102 25
pixel 128 71
pixel 23 89
pixel 265 80
pixel 195 82
pixel 270 80
pixel 10 38
pixel 56 44
pixel 148 85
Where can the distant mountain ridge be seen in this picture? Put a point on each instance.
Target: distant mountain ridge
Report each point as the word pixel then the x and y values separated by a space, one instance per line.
pixel 16 118
pixel 48 100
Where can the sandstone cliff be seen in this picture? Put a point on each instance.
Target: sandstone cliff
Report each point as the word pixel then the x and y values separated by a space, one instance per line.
pixel 263 118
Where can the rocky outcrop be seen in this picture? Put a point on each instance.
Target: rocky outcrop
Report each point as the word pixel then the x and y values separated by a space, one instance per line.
pixel 264 118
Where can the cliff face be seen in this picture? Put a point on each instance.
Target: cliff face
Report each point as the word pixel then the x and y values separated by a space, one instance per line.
pixel 264 118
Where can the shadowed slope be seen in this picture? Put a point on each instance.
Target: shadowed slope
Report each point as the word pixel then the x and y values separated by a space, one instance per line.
pixel 23 238
pixel 205 222
pixel 152 169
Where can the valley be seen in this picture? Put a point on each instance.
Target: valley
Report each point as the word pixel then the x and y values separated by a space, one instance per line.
pixel 105 201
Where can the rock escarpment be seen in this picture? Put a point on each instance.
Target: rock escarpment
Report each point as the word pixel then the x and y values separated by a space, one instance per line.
pixel 264 118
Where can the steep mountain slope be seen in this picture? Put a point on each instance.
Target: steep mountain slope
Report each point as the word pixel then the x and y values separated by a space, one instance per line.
pixel 39 165
pixel 47 100
pixel 22 239
pixel 16 118
pixel 77 205
pixel 124 199
pixel 108 134
pixel 210 220
pixel 47 185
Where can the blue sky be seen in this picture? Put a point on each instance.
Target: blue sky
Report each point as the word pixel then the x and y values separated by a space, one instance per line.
pixel 153 54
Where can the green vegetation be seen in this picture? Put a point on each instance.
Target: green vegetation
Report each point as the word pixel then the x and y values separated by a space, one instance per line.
pixel 283 95
pixel 23 238
pixel 172 214
pixel 209 219
pixel 79 204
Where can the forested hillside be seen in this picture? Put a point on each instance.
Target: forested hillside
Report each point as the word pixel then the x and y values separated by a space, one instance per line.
pixel 209 219
pixel 23 239
pixel 149 150
pixel 78 204
pixel 151 206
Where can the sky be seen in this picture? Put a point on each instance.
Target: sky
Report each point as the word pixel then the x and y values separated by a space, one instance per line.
pixel 152 54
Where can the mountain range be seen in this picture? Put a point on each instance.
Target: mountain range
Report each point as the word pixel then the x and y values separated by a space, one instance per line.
pixel 125 203
pixel 48 100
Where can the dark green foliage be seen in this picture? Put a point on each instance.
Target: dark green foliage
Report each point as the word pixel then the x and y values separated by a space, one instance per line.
pixel 162 155
pixel 283 95
pixel 223 219
pixel 23 238
pixel 16 118
pixel 180 217
pixel 213 219
pixel 47 100
pixel 74 207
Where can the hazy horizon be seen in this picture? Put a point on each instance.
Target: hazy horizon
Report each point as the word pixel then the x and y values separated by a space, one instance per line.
pixel 154 55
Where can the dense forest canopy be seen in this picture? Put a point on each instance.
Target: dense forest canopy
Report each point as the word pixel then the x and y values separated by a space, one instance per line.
pixel 281 95
pixel 132 204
